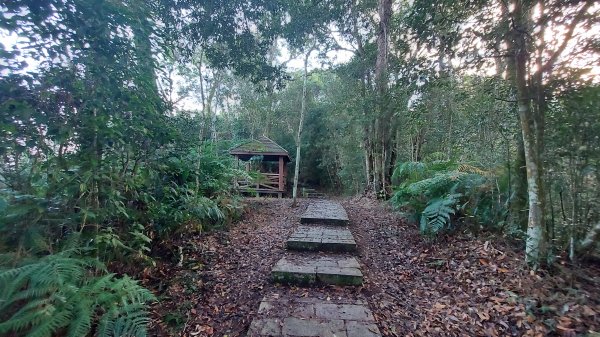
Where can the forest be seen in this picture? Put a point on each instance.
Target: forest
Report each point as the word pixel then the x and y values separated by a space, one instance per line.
pixel 469 123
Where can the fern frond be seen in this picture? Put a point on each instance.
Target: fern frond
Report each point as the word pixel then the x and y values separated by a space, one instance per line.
pixel 82 321
pixel 60 293
pixel 31 314
pixel 54 322
pixel 409 172
pixel 106 324
pixel 466 168
pixel 131 320
pixel 423 194
pixel 435 186
pixel 436 216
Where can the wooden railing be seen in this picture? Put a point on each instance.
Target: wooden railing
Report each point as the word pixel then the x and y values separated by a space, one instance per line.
pixel 270 183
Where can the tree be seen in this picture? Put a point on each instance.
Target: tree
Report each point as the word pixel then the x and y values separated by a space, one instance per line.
pixel 382 130
pixel 535 66
pixel 93 163
pixel 301 122
pixel 532 96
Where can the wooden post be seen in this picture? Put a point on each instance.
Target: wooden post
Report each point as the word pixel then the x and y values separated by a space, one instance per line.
pixel 281 173
pixel 237 166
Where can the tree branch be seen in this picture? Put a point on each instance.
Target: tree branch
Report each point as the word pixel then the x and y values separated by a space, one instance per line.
pixel 568 37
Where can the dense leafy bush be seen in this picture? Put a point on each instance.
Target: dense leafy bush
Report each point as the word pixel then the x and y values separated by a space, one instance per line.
pixel 193 187
pixel 441 194
pixel 111 211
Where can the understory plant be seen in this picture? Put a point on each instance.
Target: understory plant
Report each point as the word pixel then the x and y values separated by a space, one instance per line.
pixel 440 195
pixel 193 190
pixel 70 294
pixel 108 216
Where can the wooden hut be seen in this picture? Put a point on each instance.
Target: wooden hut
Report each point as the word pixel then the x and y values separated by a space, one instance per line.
pixel 270 159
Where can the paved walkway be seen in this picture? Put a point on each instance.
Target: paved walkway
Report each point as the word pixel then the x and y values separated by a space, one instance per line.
pixel 313 317
pixel 310 317
pixel 321 238
pixel 325 212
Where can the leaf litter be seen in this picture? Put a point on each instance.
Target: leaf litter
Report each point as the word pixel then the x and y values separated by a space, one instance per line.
pixel 458 285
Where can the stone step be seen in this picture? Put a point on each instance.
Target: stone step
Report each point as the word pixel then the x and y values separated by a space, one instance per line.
pixel 324 269
pixel 320 238
pixel 325 212
pixel 313 317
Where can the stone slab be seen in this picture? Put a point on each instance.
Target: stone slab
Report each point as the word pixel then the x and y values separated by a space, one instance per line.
pixel 312 317
pixel 321 238
pixel 343 311
pixel 340 275
pixel 325 212
pixel 324 269
pixel 297 272
pixel 266 327
pixel 299 327
pixel 360 329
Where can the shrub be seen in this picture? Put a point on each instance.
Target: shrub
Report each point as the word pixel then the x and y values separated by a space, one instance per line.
pixel 441 193
pixel 69 294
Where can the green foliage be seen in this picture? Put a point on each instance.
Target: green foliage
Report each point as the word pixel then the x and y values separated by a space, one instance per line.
pixel 193 189
pixel 436 216
pixel 573 154
pixel 442 193
pixel 87 150
pixel 418 182
pixel 61 293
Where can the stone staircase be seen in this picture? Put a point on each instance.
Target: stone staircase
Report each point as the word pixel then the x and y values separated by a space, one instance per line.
pixel 324 269
pixel 318 252
pixel 321 238
pixel 325 212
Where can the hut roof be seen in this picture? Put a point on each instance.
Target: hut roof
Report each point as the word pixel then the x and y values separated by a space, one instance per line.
pixel 262 146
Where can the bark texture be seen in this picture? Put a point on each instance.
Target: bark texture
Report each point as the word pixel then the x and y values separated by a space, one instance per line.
pixel 535 247
pixel 381 136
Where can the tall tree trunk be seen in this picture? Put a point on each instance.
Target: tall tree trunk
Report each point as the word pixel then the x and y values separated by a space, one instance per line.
pixel 213 117
pixel 535 247
pixel 300 125
pixel 383 119
pixel 367 120
pixel 518 203
pixel 365 85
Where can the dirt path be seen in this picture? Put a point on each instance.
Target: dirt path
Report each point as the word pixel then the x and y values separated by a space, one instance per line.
pixel 459 286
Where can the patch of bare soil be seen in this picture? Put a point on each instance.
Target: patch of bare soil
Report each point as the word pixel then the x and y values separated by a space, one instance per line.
pixel 455 286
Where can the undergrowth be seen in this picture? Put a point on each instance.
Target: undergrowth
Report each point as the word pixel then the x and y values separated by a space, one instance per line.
pixel 70 294
pixel 68 233
pixel 441 195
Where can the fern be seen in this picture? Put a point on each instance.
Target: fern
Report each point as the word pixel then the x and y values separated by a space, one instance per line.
pixel 437 185
pixel 409 171
pixel 431 192
pixel 61 293
pixel 436 216
pixel 473 169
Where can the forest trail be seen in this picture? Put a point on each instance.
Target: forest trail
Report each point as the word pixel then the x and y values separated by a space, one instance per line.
pixel 323 263
pixel 457 285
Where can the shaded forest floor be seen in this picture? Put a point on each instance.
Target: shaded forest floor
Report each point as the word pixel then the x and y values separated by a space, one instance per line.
pixel 457 285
